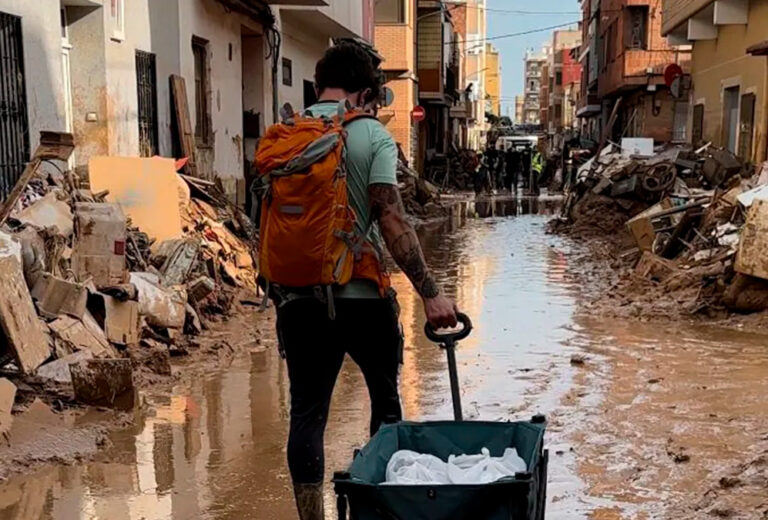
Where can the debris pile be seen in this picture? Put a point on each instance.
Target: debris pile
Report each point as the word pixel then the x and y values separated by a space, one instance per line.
pixel 102 276
pixel 420 197
pixel 688 226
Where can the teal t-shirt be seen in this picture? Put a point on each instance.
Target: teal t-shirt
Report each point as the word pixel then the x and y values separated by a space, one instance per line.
pixel 371 159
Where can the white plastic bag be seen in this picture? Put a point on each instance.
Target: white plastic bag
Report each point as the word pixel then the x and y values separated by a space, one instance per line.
pixel 484 469
pixel 411 468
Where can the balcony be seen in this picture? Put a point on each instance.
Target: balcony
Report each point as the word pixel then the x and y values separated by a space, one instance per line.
pixel 637 68
pixel 340 19
pixel 686 21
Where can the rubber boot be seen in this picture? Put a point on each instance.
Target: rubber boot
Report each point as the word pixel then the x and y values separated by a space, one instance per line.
pixel 309 501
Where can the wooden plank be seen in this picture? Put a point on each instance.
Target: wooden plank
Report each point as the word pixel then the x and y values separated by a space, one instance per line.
pixel 18 318
pixel 184 123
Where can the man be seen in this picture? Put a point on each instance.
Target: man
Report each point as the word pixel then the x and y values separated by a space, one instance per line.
pixel 365 325
pixel 513 168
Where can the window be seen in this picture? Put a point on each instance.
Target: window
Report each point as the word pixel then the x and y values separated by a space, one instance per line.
pixel 203 125
pixel 14 125
pixel 390 11
pixel 558 78
pixel 117 16
pixel 287 72
pixel 680 122
pixel 697 131
pixel 558 112
pixel 636 32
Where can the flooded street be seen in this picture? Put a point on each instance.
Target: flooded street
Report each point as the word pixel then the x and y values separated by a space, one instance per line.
pixel 644 428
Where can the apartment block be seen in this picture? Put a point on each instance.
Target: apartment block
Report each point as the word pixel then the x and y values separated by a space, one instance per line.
pixel 729 71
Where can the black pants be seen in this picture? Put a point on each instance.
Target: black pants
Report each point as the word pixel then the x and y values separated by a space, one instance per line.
pixel 314 346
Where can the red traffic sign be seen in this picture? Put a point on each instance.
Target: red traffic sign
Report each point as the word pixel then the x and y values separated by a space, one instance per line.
pixel 418 114
pixel 671 73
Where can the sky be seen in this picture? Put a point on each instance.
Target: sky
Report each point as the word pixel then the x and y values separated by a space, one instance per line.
pixel 502 20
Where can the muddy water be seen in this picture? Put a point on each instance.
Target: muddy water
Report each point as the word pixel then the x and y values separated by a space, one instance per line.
pixel 645 395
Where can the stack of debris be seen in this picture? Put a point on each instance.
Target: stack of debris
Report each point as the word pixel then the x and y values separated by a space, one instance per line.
pixel 99 275
pixel 694 225
pixel 420 197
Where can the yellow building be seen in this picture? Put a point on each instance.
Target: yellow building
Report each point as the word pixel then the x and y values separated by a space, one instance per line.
pixel 395 41
pixel 729 97
pixel 519 101
pixel 493 80
pixel 475 70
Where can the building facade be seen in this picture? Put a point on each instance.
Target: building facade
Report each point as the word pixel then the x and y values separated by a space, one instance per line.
pixel 493 81
pixel 564 76
pixel 729 96
pixel 533 70
pixel 396 42
pixel 100 69
pixel 475 71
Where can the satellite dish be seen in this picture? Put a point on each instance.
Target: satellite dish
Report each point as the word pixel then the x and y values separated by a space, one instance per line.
pixel 387 97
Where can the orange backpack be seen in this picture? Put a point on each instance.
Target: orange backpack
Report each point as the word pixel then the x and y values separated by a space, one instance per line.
pixel 307 234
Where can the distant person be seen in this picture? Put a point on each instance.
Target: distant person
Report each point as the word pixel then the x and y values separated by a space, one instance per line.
pixel 512 163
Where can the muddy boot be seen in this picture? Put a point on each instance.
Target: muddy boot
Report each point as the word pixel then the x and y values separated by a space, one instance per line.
pixel 309 501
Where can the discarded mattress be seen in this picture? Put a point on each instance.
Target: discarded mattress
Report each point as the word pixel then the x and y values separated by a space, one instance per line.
pixel 410 468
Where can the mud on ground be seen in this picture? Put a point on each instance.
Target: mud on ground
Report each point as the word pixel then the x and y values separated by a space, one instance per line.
pixel 602 260
pixel 50 427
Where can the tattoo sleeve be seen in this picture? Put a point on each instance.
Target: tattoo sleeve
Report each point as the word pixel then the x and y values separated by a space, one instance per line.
pixel 402 242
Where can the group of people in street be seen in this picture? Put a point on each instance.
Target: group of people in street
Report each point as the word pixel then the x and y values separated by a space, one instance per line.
pixel 507 170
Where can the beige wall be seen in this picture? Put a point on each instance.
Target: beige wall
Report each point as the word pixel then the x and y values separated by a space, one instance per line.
pixel 493 79
pixel 722 63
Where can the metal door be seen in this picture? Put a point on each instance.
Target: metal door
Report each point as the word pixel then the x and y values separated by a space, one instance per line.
pixel 14 126
pixel 146 81
pixel 731 118
pixel 746 130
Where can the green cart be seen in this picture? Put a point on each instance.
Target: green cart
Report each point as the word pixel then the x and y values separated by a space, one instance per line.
pixel 361 494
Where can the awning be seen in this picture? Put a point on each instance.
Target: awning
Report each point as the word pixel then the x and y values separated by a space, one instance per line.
pixel 589 111
pixel 759 49
pixel 317 21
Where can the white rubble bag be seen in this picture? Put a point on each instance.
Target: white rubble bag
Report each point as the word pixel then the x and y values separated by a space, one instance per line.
pixel 408 468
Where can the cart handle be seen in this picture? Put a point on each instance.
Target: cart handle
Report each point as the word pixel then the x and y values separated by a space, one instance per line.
pixel 450 337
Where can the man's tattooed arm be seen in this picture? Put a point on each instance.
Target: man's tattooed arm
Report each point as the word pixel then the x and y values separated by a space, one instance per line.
pixel 387 209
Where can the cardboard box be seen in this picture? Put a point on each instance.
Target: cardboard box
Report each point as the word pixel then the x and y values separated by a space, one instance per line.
pixel 119 320
pixel 99 251
pixel 55 296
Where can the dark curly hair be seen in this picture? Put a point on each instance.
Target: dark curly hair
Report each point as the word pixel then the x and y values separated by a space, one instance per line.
pixel 349 67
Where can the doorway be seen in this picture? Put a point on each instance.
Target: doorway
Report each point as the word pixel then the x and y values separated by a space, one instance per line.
pixel 310 96
pixel 146 85
pixel 253 57
pixel 731 118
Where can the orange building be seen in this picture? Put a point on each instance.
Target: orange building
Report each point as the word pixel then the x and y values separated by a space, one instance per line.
pixel 396 41
pixel 632 64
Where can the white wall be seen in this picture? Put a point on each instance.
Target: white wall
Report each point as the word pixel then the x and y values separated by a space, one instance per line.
pixel 209 20
pixel 41 33
pixel 122 96
pixel 304 50
pixel 348 13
